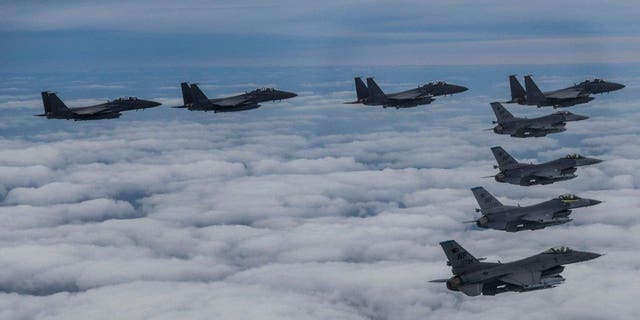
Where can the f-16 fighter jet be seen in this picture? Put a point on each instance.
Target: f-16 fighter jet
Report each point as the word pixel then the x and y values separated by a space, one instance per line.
pixel 535 127
pixel 553 212
pixel 540 271
pixel 566 97
pixel 371 94
pixel 523 174
pixel 54 108
pixel 194 99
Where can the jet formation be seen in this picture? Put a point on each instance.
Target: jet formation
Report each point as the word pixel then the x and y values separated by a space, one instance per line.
pixel 194 99
pixel 552 212
pixel 371 94
pixel 54 108
pixel 535 127
pixel 470 276
pixel 541 271
pixel 576 94
pixel 523 174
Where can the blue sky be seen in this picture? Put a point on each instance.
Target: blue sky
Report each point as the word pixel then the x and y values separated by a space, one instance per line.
pixel 85 35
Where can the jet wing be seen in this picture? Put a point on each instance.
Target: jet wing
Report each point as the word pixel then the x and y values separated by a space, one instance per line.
pixel 546 126
pixel 546 173
pixel 570 93
pixel 532 129
pixel 538 217
pixel 522 279
pixel 230 102
pixel 88 111
pixel 407 95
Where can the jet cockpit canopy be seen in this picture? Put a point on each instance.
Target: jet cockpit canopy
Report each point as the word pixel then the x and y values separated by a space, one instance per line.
pixel 568 197
pixel 574 156
pixel 127 99
pixel 265 90
pixel 558 250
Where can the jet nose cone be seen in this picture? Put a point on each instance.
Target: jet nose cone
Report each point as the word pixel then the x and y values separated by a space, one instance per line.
pixel 288 95
pixel 617 86
pixel 154 104
pixel 588 161
pixel 593 202
pixel 576 117
pixel 459 89
pixel 594 160
pixel 590 256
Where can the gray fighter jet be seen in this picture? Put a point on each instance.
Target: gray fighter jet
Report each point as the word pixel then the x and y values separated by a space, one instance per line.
pixel 54 108
pixel 535 127
pixel 577 94
pixel 553 212
pixel 371 94
pixel 540 271
pixel 195 99
pixel 523 174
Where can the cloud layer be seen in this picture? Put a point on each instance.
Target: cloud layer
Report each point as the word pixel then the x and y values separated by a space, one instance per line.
pixel 309 209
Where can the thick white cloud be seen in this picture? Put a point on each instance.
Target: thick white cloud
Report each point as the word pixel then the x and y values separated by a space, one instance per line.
pixel 263 218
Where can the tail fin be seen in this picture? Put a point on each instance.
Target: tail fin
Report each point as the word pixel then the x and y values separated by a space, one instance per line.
pixel 504 159
pixel 501 112
pixel 374 91
pixel 517 92
pixel 53 104
pixel 45 102
pixel 534 95
pixel 485 199
pixel 361 90
pixel 197 95
pixel 186 94
pixel 459 258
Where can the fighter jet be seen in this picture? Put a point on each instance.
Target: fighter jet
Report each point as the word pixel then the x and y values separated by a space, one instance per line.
pixel 194 99
pixel 535 127
pixel 577 94
pixel 371 94
pixel 553 212
pixel 54 108
pixel 513 172
pixel 540 271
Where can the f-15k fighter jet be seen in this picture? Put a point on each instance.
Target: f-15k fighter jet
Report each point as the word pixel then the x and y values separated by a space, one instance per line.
pixel 195 99
pixel 371 94
pixel 54 108
pixel 577 94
